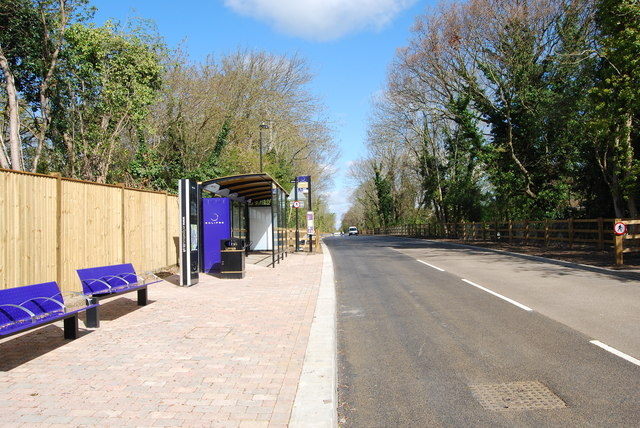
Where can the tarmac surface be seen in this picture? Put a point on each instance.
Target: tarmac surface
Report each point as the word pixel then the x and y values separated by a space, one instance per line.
pixel 248 352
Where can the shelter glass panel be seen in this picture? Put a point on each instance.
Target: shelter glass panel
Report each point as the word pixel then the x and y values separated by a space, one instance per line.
pixel 238 220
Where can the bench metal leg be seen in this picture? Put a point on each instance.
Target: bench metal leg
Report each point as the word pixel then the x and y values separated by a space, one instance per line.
pixel 142 296
pixel 93 316
pixel 71 327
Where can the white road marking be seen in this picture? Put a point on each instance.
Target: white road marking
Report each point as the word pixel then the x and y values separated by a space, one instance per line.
pixel 431 266
pixel 513 302
pixel 616 352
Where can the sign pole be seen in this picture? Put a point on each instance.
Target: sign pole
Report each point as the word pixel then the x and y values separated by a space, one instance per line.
pixel 619 228
pixel 310 209
pixel 297 228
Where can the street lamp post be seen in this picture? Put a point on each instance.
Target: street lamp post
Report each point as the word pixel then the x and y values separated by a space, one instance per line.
pixel 262 127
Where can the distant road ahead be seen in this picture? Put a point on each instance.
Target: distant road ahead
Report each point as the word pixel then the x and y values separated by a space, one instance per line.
pixel 436 335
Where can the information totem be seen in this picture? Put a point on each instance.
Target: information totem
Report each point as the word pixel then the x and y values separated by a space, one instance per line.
pixel 189 196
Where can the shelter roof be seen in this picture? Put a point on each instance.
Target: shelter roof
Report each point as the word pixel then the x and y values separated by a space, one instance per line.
pixel 247 187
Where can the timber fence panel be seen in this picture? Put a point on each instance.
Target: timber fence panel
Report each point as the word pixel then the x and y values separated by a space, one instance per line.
pixel 173 230
pixel 145 228
pixel 91 229
pixel 27 229
pixel 630 242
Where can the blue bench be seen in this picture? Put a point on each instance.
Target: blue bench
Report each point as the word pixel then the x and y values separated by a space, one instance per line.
pixel 107 281
pixel 31 306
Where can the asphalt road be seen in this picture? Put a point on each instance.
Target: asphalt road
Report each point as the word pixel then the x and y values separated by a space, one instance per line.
pixel 434 335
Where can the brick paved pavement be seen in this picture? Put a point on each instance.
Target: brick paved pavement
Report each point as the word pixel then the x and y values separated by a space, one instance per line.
pixel 223 353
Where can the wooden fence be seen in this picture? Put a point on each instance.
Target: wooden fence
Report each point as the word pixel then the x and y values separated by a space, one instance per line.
pixel 597 233
pixel 291 240
pixel 50 226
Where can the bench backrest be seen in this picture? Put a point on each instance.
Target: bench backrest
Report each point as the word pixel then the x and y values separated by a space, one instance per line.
pixel 116 276
pixel 44 298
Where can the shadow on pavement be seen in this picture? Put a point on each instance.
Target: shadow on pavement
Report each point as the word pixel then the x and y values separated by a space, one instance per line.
pixel 33 344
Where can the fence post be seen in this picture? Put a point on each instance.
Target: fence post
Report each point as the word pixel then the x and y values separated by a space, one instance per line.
pixel 600 233
pixel 58 178
pixel 122 220
pixel 570 232
pixel 166 228
pixel 510 231
pixel 619 246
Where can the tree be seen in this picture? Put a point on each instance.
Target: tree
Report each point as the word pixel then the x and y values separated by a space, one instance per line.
pixel 384 199
pixel 18 38
pixel 518 71
pixel 208 119
pixel 111 79
pixel 615 102
pixel 32 35
pixel 353 217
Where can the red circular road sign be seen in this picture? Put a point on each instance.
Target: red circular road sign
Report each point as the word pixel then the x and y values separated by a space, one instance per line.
pixel 296 204
pixel 620 228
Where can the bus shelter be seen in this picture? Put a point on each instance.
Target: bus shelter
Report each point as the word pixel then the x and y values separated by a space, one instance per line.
pixel 247 212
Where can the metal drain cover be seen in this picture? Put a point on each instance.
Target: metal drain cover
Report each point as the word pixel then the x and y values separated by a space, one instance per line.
pixel 516 396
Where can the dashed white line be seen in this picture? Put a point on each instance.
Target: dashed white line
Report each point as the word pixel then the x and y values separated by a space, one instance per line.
pixel 616 352
pixel 430 265
pixel 513 302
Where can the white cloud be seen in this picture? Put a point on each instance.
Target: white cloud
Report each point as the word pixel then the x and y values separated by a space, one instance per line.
pixel 321 20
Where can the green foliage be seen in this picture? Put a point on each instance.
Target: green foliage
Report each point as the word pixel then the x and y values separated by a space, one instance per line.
pixel 463 197
pixel 32 33
pixel 385 201
pixel 614 113
pixel 450 180
pixel 529 157
pixel 111 78
pixel 21 38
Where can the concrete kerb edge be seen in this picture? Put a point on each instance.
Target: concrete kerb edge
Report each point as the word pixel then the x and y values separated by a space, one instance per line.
pixel 316 403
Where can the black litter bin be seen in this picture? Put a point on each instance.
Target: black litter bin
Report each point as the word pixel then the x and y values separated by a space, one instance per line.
pixel 232 258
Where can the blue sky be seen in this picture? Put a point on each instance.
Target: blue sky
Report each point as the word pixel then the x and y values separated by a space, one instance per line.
pixel 348 44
